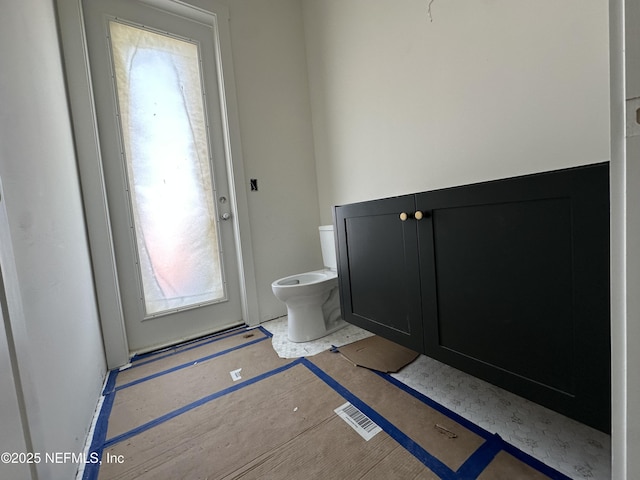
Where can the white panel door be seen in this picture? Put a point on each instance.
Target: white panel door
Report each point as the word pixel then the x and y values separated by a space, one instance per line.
pixel 162 130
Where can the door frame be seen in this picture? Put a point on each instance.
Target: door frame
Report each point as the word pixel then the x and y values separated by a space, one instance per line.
pixel 86 137
pixel 624 55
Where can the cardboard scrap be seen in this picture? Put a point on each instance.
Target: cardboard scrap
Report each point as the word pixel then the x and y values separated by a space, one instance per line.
pixel 377 353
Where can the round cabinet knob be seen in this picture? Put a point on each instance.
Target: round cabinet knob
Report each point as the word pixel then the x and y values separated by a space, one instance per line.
pixel 418 215
pixel 404 216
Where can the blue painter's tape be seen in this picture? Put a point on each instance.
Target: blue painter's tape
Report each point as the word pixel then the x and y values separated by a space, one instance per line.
pixel 265 331
pixel 138 360
pixel 469 470
pixel 481 458
pixel 534 463
pixel 197 403
pixel 431 462
pixel 171 349
pixel 491 438
pixel 188 364
pixel 481 432
pixel 111 382
pixel 100 433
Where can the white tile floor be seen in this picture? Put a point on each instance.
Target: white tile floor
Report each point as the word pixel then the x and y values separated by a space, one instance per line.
pixel 574 449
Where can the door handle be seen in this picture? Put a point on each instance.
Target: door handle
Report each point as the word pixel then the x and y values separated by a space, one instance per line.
pixel 225 216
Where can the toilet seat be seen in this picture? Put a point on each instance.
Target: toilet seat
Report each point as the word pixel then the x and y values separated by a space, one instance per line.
pixel 308 278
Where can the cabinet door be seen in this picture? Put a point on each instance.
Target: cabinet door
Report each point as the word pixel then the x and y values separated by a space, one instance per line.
pixel 515 286
pixel 378 269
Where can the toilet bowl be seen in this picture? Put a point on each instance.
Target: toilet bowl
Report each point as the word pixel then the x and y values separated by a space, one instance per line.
pixel 312 299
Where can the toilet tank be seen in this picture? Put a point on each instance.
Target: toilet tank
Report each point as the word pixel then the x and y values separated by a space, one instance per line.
pixel 328 245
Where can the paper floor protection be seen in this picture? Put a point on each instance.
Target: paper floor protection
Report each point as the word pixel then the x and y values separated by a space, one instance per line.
pixel 227 407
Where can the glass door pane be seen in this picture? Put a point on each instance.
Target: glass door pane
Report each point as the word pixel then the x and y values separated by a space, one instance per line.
pixel 168 164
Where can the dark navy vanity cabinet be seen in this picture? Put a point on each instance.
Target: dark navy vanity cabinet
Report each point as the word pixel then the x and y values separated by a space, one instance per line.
pixel 507 280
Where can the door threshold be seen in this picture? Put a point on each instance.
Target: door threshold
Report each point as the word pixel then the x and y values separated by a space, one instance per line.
pixel 188 339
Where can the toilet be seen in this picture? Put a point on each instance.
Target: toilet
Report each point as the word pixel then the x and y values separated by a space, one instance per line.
pixel 312 299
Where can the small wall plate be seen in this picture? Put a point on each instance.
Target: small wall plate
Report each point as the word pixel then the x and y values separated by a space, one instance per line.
pixel 633 117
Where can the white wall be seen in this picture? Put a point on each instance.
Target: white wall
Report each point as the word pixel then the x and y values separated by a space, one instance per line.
pixel 486 90
pixel 13 433
pixel 58 347
pixel 277 142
